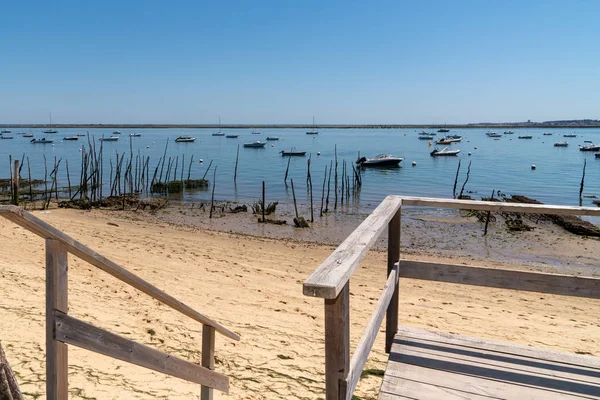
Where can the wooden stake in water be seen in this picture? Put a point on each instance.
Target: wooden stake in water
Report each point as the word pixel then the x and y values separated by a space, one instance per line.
pixel 487 219
pixel 335 187
pixel 323 191
pixel 456 180
pixel 286 171
pixel 212 200
pixel 328 187
pixel 466 180
pixel 190 167
pixel 15 183
pixel 68 177
pixel 581 187
pixel 312 216
pixel 294 197
pixel 263 202
pixel 30 184
pixel 237 156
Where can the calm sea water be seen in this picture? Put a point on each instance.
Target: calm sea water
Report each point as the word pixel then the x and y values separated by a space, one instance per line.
pixel 503 164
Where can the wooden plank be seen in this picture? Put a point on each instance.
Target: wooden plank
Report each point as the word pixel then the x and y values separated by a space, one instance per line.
pixel 337 343
pixel 483 358
pixel 565 285
pixel 391 319
pixel 487 382
pixel 208 358
pixel 45 230
pixel 81 334
pixel 483 369
pixel 332 275
pixel 494 206
pixel 500 347
pixel 57 384
pixel 361 353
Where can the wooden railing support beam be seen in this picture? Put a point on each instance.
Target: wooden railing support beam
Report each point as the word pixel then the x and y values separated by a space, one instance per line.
pixel 337 342
pixel 56 299
pixel 391 319
pixel 208 358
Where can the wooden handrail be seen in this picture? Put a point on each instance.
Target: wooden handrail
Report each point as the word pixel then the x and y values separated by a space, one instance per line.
pixel 496 206
pixel 47 231
pixel 331 281
pixel 361 353
pixel 564 285
pixel 75 332
pixel 328 280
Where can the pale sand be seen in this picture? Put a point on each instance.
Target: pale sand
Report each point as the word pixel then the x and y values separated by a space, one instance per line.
pixel 253 286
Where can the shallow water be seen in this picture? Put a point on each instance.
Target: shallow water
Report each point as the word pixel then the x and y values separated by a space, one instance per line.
pixel 503 164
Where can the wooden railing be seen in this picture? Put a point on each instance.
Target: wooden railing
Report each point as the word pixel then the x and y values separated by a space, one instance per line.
pixel 331 281
pixel 63 330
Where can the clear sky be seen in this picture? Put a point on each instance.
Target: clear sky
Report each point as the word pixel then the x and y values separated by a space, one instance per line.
pixel 284 61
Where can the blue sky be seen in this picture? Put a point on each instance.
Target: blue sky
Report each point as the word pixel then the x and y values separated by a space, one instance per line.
pixel 283 61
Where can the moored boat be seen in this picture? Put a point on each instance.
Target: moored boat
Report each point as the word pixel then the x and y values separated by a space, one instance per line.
pixel 116 132
pixel 444 130
pixel 525 137
pixel 444 141
pixel 314 131
pixel 232 136
pixel 425 137
pixel 135 134
pixel 257 144
pixel 28 135
pixel 493 134
pixel 71 138
pixel 255 132
pixel 4 137
pixel 381 160
pixel 272 137
pixel 570 135
pixel 184 139
pixel 109 139
pixel 218 134
pixel 444 152
pixel 5 131
pixel 561 144
pixel 548 133
pixel 292 153
pixel 42 141
pixel 590 147
pixel 508 132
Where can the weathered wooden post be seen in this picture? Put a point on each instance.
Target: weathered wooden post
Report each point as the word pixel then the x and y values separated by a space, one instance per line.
pixel 391 319
pixel 56 299
pixel 208 358
pixel 337 343
pixel 15 184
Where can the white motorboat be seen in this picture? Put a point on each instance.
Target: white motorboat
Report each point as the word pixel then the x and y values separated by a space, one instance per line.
pixel 42 140
pixel 444 152
pixel 590 147
pixel 257 144
pixel 493 134
pixel 184 139
pixel 561 144
pixel 381 160
pixel 109 139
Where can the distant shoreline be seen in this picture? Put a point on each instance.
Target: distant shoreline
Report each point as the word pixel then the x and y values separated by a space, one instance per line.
pixel 595 124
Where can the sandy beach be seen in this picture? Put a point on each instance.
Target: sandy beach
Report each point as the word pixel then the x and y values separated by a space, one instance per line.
pixel 249 277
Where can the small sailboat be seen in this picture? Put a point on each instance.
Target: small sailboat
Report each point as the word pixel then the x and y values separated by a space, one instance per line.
pixel 425 137
pixel 81 134
pixel 41 141
pixel 50 129
pixel 185 139
pixel 257 144
pixel 314 131
pixel 508 132
pixel 219 133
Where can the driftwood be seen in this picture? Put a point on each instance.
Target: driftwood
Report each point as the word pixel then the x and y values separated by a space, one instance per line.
pixel 9 387
pixel 238 209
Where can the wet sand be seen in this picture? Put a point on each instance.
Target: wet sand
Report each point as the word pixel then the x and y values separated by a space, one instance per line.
pixel 252 284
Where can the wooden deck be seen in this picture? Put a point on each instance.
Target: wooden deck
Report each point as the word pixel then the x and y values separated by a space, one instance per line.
pixel 427 365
